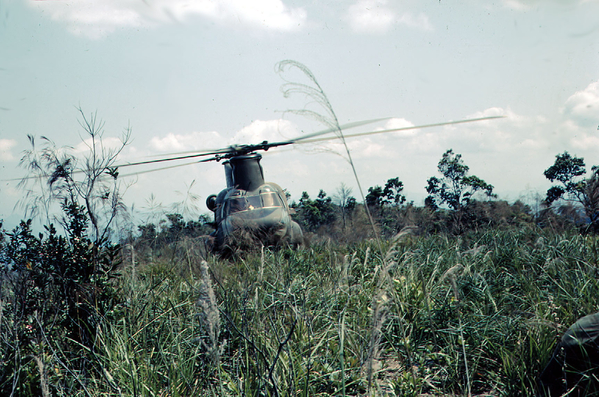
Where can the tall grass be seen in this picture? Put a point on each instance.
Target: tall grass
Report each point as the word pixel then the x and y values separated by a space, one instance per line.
pixel 471 315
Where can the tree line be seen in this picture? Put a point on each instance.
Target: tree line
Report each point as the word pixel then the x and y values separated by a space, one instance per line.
pixel 458 202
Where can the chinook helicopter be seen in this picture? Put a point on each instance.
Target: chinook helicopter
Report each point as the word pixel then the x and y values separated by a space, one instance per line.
pixel 251 210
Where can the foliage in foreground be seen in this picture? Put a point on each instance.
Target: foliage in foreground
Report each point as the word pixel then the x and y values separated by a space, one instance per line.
pixel 54 292
pixel 419 315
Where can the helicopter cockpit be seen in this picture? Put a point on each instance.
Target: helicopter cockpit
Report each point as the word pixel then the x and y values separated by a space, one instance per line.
pixel 240 201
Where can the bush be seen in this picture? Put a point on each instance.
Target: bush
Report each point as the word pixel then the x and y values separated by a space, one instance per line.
pixel 57 290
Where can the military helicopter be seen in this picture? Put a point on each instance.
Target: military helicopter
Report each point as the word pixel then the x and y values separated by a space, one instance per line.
pixel 251 210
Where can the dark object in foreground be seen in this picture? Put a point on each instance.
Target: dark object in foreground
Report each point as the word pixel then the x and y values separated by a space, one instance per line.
pixel 574 367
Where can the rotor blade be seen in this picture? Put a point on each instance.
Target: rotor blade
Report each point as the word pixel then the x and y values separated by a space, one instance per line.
pixel 190 156
pixel 314 134
pixel 342 127
pixel 415 127
pixel 165 168
pixel 265 146
pixel 120 175
pixel 47 176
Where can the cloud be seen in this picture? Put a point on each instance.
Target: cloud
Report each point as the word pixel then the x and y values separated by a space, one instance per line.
pixel 5 149
pixel 374 16
pixel 519 5
pixel 487 136
pixel 401 123
pixel 525 5
pixel 257 132
pixel 269 130
pixel 577 128
pixel 370 16
pixel 583 106
pixel 187 142
pixel 99 18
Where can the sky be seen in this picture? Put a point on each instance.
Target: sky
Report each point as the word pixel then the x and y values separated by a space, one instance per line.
pixel 188 75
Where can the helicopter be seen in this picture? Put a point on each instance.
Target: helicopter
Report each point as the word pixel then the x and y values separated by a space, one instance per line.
pixel 252 211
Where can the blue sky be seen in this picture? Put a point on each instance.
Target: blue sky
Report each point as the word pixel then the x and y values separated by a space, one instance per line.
pixel 194 75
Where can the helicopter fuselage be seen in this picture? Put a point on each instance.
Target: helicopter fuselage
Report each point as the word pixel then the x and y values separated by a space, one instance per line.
pixel 250 210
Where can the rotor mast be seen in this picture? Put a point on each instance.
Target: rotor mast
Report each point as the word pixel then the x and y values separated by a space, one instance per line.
pixel 246 171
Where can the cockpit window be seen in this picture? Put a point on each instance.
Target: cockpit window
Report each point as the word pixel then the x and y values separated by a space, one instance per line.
pixel 270 200
pixel 248 203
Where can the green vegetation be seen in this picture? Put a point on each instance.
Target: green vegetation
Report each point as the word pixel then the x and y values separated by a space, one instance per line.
pixel 467 300
pixel 477 313
pixel 585 192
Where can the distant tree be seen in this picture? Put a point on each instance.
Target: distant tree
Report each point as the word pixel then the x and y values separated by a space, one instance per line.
pixel 315 213
pixel 392 192
pixel 389 195
pixel 374 198
pixel 203 226
pixel 568 171
pixel 177 224
pixel 148 231
pixel 456 188
pixel 345 201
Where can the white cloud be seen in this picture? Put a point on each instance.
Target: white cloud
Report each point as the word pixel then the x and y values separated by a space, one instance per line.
pixel 583 106
pixel 578 128
pixel 257 132
pixel 401 123
pixel 520 5
pixel 269 130
pixel 5 149
pixel 187 142
pixel 374 16
pixel 98 18
pixel 585 142
pixel 526 5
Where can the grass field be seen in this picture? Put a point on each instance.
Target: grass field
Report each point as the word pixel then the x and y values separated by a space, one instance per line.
pixel 477 314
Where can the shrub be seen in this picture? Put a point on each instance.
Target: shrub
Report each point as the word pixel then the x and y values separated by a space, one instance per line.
pixel 58 289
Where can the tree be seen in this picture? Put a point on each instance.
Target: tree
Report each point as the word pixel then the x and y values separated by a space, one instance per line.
pixel 456 188
pixel 374 198
pixel 316 213
pixel 57 176
pixel 392 192
pixel 389 195
pixel 568 170
pixel 345 201
pixel 565 170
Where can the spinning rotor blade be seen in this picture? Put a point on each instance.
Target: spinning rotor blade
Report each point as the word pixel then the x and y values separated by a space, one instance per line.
pixel 415 127
pixel 306 138
pixel 183 155
pixel 235 150
pixel 130 164
pixel 165 168
pixel 335 129
pixel 190 156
